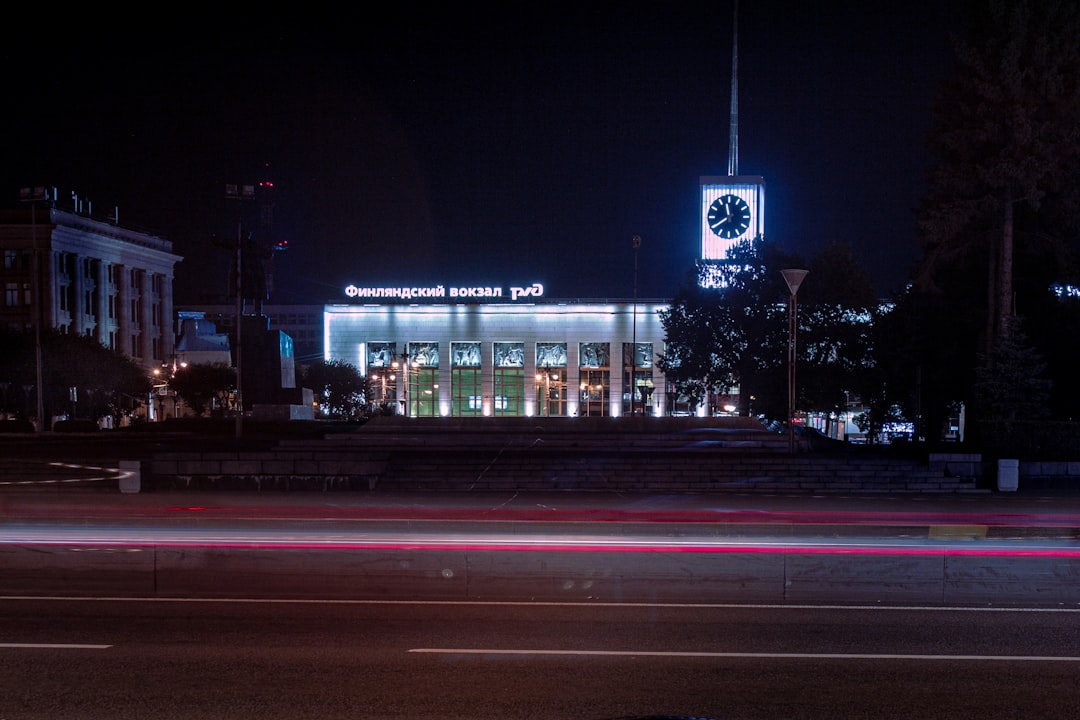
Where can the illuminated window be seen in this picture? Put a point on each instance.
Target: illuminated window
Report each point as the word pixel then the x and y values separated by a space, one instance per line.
pixel 422 360
pixel 595 391
pixel 551 379
pixel 640 365
pixel 383 368
pixel 595 385
pixel 508 378
pixel 466 378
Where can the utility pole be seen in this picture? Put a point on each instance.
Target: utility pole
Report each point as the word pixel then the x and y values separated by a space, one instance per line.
pixel 239 192
pixel 633 342
pixel 34 196
pixel 794 279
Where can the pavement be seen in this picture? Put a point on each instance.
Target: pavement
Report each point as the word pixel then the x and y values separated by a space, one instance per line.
pixel 584 546
pixel 102 502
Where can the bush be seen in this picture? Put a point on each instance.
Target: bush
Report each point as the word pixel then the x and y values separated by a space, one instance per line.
pixel 75 426
pixel 1029 439
pixel 16 426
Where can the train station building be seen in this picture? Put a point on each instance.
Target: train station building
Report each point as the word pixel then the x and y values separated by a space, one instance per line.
pixel 493 351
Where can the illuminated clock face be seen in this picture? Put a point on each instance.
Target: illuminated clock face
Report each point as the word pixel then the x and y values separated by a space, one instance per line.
pixel 729 216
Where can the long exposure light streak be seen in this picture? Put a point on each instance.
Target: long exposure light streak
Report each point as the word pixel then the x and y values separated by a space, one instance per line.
pixel 143 538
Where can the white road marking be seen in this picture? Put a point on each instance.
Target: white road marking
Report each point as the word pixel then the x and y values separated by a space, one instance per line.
pixel 746 655
pixel 55 646
pixel 545 603
pixel 112 474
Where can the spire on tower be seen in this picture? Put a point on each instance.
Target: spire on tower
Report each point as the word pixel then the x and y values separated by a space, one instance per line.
pixel 733 147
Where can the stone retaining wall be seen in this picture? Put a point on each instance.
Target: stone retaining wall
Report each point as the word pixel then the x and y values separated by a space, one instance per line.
pixel 495 469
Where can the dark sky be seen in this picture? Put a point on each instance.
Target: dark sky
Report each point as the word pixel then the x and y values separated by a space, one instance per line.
pixel 477 147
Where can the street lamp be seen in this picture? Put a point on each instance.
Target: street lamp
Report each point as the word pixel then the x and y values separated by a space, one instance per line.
pixel 239 192
pixel 794 279
pixel 633 341
pixel 34 196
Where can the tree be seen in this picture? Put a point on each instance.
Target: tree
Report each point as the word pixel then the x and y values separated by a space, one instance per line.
pixel 1006 142
pixel 839 310
pixel 202 385
pixel 80 375
pixel 101 378
pixel 734 335
pixel 1009 383
pixel 339 388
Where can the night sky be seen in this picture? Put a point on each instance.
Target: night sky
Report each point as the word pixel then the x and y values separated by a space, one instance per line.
pixel 478 147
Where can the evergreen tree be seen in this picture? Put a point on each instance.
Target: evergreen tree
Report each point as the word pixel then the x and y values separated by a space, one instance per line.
pixel 1006 141
pixel 199 385
pixel 339 388
pixel 1009 383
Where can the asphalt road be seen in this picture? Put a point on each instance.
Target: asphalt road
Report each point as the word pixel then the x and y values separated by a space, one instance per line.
pixel 421 660
pixel 571 546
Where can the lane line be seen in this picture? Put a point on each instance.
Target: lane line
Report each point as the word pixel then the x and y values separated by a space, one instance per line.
pixel 749 656
pixel 54 646
pixel 51 537
pixel 540 603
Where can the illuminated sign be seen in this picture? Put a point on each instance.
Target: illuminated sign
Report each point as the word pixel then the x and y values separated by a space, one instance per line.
pixel 441 292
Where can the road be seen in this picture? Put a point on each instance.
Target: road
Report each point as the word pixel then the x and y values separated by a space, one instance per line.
pixel 591 606
pixel 191 659
pixel 520 546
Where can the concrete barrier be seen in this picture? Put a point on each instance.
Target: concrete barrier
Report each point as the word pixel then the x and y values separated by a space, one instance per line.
pixel 783 577
pixel 130 476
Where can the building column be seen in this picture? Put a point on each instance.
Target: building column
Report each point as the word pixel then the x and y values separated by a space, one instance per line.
pixel 101 297
pixel 147 320
pixel 78 286
pixel 123 310
pixel 168 322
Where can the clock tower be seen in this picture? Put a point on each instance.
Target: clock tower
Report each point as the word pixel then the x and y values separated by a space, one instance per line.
pixel 732 210
pixel 732 207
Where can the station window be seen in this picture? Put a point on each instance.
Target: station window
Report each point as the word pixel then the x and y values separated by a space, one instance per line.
pixel 551 385
pixel 638 362
pixel 508 383
pixel 466 378
pixel 422 379
pixel 595 374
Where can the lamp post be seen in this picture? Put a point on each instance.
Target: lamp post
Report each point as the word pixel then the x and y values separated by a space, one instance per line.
pixel 239 192
pixel 406 376
pixel 633 341
pixel 34 196
pixel 794 279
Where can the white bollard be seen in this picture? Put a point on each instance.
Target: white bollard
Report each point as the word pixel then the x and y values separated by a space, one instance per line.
pixel 130 476
pixel 1008 475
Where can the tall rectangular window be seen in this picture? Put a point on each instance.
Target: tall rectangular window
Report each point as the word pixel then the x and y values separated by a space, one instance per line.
pixel 423 379
pixel 595 373
pixel 466 379
pixel 637 393
pixel 508 397
pixel 382 372
pixel 551 379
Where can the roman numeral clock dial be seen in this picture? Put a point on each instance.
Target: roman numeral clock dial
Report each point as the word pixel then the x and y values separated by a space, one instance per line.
pixel 729 216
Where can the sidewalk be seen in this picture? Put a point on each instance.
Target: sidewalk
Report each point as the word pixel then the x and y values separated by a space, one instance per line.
pixel 1013 509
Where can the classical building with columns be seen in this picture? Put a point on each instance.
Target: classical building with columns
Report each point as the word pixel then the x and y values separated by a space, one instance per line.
pixel 433 352
pixel 96 278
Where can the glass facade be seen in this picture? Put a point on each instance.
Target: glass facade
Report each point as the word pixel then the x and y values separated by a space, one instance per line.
pixel 382 373
pixel 466 380
pixel 637 394
pixel 551 381
pixel 422 395
pixel 558 359
pixel 595 373
pixel 508 379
